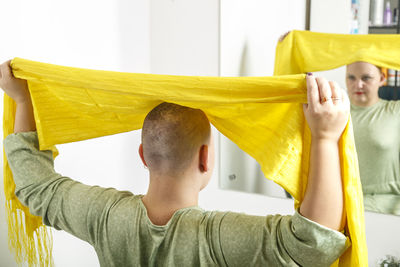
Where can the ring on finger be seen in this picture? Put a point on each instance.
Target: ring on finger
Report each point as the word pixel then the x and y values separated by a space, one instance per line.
pixel 325 99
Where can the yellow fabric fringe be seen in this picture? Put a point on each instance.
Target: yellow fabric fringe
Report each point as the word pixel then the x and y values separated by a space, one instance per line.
pixel 304 51
pixel 28 238
pixel 262 115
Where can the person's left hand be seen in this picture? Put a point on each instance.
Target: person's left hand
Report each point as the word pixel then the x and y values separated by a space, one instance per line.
pixel 15 88
pixel 327 110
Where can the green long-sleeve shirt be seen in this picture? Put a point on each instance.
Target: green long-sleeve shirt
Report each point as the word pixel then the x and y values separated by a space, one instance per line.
pixel 377 139
pixel 116 223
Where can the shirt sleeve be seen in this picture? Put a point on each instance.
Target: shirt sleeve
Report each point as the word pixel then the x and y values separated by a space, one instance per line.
pixel 62 203
pixel 278 240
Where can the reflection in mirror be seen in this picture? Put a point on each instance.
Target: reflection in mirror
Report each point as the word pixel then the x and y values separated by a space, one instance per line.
pixel 375 113
pixel 241 172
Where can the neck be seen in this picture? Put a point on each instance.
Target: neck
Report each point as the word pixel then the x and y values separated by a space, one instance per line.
pixel 167 194
pixel 365 105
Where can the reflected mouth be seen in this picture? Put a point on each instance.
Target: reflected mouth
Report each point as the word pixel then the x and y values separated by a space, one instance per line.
pixel 359 93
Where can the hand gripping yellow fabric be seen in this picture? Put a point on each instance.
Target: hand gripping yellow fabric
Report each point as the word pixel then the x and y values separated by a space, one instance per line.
pixel 263 115
pixel 304 51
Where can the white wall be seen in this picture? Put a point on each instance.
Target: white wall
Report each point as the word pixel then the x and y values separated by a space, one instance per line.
pixel 184 37
pixel 249 33
pixel 111 35
pixel 250 30
pixel 331 16
pixel 364 16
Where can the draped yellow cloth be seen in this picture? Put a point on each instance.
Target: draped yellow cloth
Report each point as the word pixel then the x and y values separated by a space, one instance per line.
pixel 262 115
pixel 305 51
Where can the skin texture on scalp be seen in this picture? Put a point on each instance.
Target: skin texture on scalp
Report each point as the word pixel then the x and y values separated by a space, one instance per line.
pixel 172 135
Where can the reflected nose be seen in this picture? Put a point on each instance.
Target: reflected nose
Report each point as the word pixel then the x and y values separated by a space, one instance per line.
pixel 360 84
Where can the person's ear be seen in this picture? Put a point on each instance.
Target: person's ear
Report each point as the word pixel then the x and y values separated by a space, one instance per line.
pixel 141 154
pixel 203 158
pixel 382 79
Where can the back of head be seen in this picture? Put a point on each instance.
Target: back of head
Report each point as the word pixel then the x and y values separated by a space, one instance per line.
pixel 172 136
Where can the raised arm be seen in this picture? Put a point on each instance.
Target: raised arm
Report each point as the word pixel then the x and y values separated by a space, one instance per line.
pixel 17 89
pixel 61 202
pixel 327 113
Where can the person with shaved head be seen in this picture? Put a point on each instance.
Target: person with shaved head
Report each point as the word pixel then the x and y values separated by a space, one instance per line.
pixel 177 148
pixel 166 227
pixel 376 127
pixel 376 124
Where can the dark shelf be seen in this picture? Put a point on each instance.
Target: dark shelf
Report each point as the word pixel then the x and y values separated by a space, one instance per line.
pixel 389 92
pixel 383 29
pixel 393 26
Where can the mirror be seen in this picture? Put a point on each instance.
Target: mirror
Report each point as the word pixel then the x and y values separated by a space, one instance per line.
pixel 375 112
pixel 374 94
pixel 247 48
pixel 241 172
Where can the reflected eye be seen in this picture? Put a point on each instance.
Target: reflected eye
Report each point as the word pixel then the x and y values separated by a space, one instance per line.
pixel 351 78
pixel 366 78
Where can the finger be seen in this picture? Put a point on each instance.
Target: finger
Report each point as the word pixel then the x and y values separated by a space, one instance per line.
pixel 346 100
pixel 283 36
pixel 312 91
pixel 337 97
pixel 305 107
pixel 1 69
pixel 324 88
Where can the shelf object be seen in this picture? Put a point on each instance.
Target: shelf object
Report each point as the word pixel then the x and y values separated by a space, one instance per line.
pixel 394 28
pixel 383 29
pixel 389 92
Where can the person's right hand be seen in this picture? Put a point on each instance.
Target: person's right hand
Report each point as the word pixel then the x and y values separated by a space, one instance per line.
pixel 15 88
pixel 328 109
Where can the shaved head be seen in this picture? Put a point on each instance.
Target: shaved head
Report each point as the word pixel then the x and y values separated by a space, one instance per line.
pixel 172 136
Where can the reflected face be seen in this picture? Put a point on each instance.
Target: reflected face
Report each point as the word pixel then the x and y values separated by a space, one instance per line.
pixel 363 81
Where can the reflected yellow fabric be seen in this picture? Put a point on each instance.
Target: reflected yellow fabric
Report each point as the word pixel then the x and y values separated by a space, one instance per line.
pixel 262 115
pixel 305 51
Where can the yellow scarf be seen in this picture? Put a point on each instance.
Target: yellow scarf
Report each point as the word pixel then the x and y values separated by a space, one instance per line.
pixel 262 115
pixel 304 51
